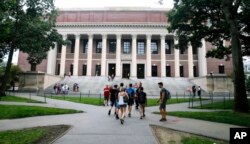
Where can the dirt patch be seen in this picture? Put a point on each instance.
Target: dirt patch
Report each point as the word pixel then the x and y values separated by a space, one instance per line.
pixel 169 136
pixel 53 133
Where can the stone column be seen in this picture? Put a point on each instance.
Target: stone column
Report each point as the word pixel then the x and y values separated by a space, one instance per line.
pixel 176 59
pixel 90 49
pixel 202 60
pixel 76 54
pixel 190 61
pixel 51 63
pixel 63 57
pixel 133 68
pixel 149 63
pixel 163 57
pixel 104 52
pixel 118 55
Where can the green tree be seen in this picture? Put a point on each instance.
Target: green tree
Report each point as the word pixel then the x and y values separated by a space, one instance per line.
pixel 215 21
pixel 28 25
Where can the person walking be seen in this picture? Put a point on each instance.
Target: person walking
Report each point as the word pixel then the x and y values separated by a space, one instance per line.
pixel 106 94
pixel 113 91
pixel 194 90
pixel 199 92
pixel 131 94
pixel 163 102
pixel 142 100
pixel 122 101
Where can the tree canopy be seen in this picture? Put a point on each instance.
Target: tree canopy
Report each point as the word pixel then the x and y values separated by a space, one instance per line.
pixel 27 25
pixel 216 21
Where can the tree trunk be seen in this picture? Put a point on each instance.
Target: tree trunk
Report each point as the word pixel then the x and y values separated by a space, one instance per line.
pixel 7 72
pixel 240 97
pixel 33 67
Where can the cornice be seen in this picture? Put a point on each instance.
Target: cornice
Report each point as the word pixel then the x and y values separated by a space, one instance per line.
pixel 113 25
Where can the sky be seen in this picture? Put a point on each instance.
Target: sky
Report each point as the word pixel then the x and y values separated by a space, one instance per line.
pixel 106 3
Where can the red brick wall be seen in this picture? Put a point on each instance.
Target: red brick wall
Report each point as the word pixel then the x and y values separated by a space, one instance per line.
pixel 25 66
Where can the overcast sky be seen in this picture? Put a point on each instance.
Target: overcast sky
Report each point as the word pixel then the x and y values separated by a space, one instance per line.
pixel 113 3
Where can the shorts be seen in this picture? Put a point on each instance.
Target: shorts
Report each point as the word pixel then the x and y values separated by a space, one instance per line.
pixel 124 105
pixel 163 106
pixel 130 101
pixel 112 103
pixel 106 97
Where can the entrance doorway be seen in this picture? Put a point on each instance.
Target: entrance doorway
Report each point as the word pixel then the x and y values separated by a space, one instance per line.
pixel 111 69
pixel 125 70
pixel 181 71
pixel 140 71
pixel 154 71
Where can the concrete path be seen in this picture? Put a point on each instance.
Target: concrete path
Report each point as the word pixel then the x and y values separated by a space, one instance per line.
pixel 96 127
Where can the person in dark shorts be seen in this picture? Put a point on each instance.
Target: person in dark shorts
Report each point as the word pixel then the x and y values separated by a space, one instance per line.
pixel 142 100
pixel 163 101
pixel 131 94
pixel 113 93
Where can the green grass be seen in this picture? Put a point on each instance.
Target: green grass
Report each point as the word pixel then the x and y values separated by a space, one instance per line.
pixel 26 136
pixel 97 101
pixel 229 104
pixel 241 119
pixel 84 100
pixel 14 111
pixel 18 99
pixel 199 140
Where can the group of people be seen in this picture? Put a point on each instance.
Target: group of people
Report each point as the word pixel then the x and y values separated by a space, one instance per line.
pixel 122 99
pixel 61 88
pixel 194 90
pixel 111 77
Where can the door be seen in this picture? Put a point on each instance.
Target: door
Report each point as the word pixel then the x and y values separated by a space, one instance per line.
pixel 154 71
pixel 111 69
pixel 181 71
pixel 140 71
pixel 125 70
pixel 168 71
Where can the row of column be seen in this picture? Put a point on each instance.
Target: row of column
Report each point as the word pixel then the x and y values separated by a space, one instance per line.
pixel 201 57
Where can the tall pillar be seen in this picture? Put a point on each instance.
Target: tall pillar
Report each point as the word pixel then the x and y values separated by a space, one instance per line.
pixel 51 63
pixel 118 55
pixel 202 60
pixel 90 49
pixel 163 57
pixel 76 54
pixel 104 52
pixel 176 59
pixel 134 62
pixel 63 57
pixel 190 61
pixel 149 63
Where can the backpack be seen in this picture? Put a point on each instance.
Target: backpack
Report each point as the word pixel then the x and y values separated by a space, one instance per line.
pixel 130 92
pixel 168 94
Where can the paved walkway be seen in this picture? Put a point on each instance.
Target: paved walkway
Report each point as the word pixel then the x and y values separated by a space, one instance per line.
pixel 95 126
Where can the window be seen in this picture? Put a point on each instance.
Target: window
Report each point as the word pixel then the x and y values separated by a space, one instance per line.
pixel 195 71
pixel 182 51
pixel 112 46
pixel 154 47
pixel 72 46
pixel 140 47
pixel 221 69
pixel 85 46
pixel 84 70
pixel 154 71
pixel 98 70
pixel 167 47
pixel 59 48
pixel 98 46
pixel 181 71
pixel 126 47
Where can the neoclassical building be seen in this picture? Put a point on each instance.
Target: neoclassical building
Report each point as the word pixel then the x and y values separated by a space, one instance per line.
pixel 123 42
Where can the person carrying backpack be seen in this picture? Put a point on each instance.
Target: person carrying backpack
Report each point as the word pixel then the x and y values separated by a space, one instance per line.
pixel 131 94
pixel 142 100
pixel 164 96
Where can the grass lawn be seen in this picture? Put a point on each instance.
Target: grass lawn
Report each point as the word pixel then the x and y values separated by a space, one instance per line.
pixel 97 101
pixel 229 104
pixel 34 135
pixel 241 119
pixel 14 111
pixel 198 140
pixel 18 99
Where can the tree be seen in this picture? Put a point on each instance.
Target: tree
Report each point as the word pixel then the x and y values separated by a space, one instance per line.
pixel 216 21
pixel 24 23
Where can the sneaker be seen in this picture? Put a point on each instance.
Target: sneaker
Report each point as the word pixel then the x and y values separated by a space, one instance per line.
pixel 122 121
pixel 117 117
pixel 129 115
pixel 109 112
pixel 163 119
pixel 143 115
